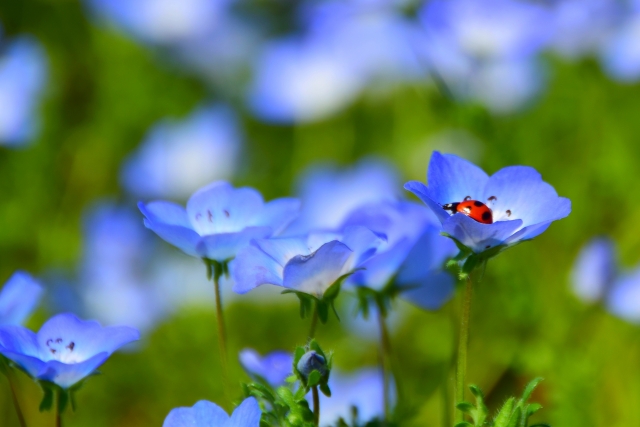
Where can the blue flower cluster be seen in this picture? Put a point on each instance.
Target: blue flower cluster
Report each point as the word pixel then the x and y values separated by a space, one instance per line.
pixel 380 247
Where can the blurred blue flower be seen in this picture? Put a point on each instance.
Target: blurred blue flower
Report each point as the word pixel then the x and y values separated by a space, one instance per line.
pixel 329 194
pixel 219 220
pixel 113 271
pixel 595 270
pixel 581 27
pixel 485 50
pixel 363 389
pixel 308 264
pixel 207 414
pixel 178 157
pixel 18 298
pixel 413 258
pixel 274 367
pixel 23 74
pixel 162 22
pixel 65 350
pixel 620 54
pixel 522 204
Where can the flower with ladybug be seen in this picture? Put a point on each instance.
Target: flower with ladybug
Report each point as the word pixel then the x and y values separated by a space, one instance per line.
pixel 485 214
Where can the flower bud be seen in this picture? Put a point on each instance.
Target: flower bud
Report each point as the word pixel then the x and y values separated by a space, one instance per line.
pixel 312 361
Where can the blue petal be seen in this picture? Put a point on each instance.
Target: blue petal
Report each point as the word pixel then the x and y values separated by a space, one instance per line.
pixel 363 242
pixel 379 270
pixel 521 190
pixel 281 250
pixel 432 292
pixel 274 367
pixel 623 299
pixel 220 208
pixel 314 273
pixel 477 236
pixel 421 190
pixel 89 337
pixel 595 269
pixel 223 246
pixel 246 415
pixel 68 374
pixel 19 340
pixel 31 365
pixel 252 268
pixel 18 298
pixel 202 414
pixel 173 231
pixel 279 213
pixel 451 179
pixel 165 213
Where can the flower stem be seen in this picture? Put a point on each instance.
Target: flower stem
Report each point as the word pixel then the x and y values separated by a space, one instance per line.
pixel 463 343
pixel 316 405
pixel 14 398
pixel 58 412
pixel 215 270
pixel 314 322
pixel 385 360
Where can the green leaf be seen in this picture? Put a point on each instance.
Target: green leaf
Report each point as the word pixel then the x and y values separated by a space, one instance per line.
pixel 314 378
pixel 465 407
pixel 324 388
pixel 529 388
pixel 533 408
pixel 47 400
pixel 291 379
pixel 503 417
pixel 515 417
pixel 464 424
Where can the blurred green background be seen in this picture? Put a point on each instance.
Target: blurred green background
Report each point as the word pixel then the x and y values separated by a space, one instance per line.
pixel 105 91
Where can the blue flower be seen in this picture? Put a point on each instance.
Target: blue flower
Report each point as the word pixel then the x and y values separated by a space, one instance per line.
pixel 18 298
pixel 274 367
pixel 23 72
pixel 595 270
pixel 522 204
pixel 413 257
pixel 219 220
pixel 363 389
pixel 65 350
pixel 207 414
pixel 304 264
pixel 178 157
pixel 329 194
pixel 619 55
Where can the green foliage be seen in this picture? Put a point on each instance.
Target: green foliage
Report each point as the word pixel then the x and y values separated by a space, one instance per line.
pixel 515 412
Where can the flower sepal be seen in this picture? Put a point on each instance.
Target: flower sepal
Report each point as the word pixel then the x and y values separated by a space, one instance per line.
pixel 309 303
pixel 514 412
pixel 65 396
pixel 216 269
pixel 312 367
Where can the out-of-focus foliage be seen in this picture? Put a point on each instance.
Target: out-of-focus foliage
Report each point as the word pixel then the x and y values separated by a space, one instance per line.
pixel 104 93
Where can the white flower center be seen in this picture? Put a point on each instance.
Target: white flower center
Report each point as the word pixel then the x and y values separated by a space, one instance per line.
pixel 63 350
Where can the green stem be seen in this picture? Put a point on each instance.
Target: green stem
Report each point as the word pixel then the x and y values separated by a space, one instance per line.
pixel 314 322
pixel 58 413
pixel 316 405
pixel 14 398
pixel 215 270
pixel 385 360
pixel 463 343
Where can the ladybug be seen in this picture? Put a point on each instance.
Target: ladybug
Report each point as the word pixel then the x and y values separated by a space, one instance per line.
pixel 474 209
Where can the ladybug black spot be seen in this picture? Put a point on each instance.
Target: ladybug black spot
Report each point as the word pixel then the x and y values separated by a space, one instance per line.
pixel 478 204
pixel 486 216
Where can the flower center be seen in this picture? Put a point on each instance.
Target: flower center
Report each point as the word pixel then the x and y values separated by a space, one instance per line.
pixel 63 350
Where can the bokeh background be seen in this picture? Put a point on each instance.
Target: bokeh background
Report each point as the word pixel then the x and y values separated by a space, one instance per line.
pixel 107 102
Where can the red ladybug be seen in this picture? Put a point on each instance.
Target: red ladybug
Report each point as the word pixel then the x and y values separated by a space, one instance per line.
pixel 474 209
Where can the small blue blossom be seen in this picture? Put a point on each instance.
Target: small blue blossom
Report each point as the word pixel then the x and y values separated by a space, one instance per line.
pixel 312 361
pixel 207 414
pixel 413 257
pixel 620 55
pixel 23 72
pixel 219 220
pixel 329 194
pixel 65 350
pixel 178 157
pixel 363 389
pixel 522 204
pixel 18 298
pixel 274 367
pixel 595 270
pixel 304 264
